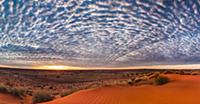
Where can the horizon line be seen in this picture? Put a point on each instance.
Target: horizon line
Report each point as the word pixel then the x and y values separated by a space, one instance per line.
pixel 63 67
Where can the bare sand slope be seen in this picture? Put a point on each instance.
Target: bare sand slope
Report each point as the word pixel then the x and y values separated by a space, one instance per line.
pixel 184 89
pixel 8 99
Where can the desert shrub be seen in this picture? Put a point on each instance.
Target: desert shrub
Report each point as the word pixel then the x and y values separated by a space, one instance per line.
pixel 66 93
pixel 3 88
pixel 154 75
pixel 19 92
pixel 181 72
pixel 63 94
pixel 137 79
pixel 57 76
pixel 167 72
pixel 160 80
pixel 126 75
pixel 107 85
pixel 42 96
pixel 149 73
pixel 70 86
pixel 194 73
pixel 130 81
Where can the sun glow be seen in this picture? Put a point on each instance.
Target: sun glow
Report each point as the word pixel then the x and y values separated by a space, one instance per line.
pixel 57 67
pixel 63 67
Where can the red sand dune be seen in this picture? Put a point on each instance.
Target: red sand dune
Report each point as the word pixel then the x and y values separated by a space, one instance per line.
pixel 183 89
pixel 8 99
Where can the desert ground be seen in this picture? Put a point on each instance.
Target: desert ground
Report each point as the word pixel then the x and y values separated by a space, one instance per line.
pixel 22 86
pixel 184 89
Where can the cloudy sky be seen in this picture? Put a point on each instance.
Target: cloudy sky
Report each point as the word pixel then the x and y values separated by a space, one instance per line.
pixel 99 33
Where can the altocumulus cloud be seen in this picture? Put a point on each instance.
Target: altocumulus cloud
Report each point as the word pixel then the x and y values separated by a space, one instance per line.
pixel 99 32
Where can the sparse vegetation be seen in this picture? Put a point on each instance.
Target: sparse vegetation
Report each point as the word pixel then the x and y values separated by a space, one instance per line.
pixel 42 96
pixel 57 76
pixel 130 82
pixel 137 80
pixel 63 94
pixel 19 92
pixel 194 73
pixel 154 75
pixel 167 72
pixel 160 80
pixel 3 88
pixel 65 83
pixel 181 72
pixel 72 90
pixel 66 93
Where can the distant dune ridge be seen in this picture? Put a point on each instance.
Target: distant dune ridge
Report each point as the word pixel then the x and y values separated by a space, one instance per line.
pixel 183 89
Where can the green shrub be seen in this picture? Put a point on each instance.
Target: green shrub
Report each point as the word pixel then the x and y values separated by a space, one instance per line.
pixel 194 73
pixel 3 88
pixel 130 81
pixel 154 75
pixel 136 80
pixel 42 96
pixel 66 93
pixel 19 92
pixel 160 80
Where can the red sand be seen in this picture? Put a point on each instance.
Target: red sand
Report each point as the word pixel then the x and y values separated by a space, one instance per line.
pixel 8 99
pixel 184 89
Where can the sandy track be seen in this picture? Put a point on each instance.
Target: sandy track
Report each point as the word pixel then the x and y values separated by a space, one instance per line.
pixel 184 89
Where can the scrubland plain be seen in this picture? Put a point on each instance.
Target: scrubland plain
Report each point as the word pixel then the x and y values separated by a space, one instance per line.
pixel 21 86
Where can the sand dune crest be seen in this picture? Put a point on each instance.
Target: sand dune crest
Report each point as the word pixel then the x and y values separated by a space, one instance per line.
pixel 184 89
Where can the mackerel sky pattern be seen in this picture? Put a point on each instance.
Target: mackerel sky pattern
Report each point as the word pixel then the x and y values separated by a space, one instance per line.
pixel 106 33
